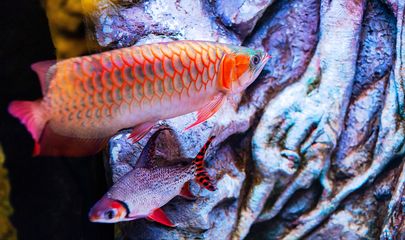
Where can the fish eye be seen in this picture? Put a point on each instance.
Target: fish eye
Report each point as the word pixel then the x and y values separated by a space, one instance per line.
pixel 110 214
pixel 255 60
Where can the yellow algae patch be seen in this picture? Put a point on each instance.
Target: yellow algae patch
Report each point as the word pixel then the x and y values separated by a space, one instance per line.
pixel 7 231
pixel 68 27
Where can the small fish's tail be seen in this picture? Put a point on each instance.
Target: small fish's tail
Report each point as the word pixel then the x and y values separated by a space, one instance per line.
pixel 32 115
pixel 200 172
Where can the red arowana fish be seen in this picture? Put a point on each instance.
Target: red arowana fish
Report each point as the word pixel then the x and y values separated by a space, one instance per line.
pixel 88 99
pixel 142 191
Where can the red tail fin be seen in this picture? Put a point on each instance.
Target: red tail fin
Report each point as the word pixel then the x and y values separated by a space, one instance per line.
pixel 201 174
pixel 31 114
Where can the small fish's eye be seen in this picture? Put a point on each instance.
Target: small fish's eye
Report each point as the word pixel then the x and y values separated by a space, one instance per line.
pixel 255 60
pixel 110 214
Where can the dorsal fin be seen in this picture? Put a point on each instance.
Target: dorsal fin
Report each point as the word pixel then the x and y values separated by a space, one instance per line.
pixel 168 146
pixel 144 160
pixel 161 145
pixel 45 71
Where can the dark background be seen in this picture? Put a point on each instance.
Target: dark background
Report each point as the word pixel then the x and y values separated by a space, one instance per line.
pixel 51 196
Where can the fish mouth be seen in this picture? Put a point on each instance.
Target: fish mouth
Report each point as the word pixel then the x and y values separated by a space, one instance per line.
pixel 93 219
pixel 263 62
pixel 266 58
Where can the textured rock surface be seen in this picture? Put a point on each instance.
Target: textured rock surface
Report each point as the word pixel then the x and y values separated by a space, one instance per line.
pixel 314 148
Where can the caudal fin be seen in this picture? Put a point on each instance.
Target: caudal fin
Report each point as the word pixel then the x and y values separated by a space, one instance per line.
pixel 31 114
pixel 201 173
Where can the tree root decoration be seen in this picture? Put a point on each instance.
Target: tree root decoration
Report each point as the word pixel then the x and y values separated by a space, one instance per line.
pixel 395 215
pixel 303 181
pixel 326 207
pixel 313 119
pixel 297 131
pixel 392 141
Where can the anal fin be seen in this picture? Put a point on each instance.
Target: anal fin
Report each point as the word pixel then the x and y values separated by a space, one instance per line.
pixel 208 110
pixel 159 216
pixel 140 130
pixel 53 144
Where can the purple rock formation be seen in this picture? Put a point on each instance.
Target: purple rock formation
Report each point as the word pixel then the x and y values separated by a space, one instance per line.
pixel 241 15
pixel 313 147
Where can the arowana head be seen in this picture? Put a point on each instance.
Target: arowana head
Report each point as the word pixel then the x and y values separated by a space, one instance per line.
pixel 241 68
pixel 109 211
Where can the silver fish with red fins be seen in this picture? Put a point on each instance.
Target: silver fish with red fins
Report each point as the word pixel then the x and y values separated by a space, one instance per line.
pixel 141 192
pixel 88 99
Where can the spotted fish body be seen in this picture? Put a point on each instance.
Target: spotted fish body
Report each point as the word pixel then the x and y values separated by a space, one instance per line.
pixel 143 191
pixel 92 97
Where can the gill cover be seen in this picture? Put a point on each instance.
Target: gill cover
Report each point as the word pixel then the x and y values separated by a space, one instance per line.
pixel 232 67
pixel 227 72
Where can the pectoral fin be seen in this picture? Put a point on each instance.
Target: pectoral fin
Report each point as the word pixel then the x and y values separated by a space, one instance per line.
pixel 208 110
pixel 186 193
pixel 140 130
pixel 159 216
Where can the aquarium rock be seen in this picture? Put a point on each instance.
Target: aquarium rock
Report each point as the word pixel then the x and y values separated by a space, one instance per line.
pixel 313 149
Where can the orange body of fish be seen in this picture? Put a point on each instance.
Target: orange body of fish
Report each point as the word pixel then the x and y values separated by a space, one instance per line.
pixel 88 99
